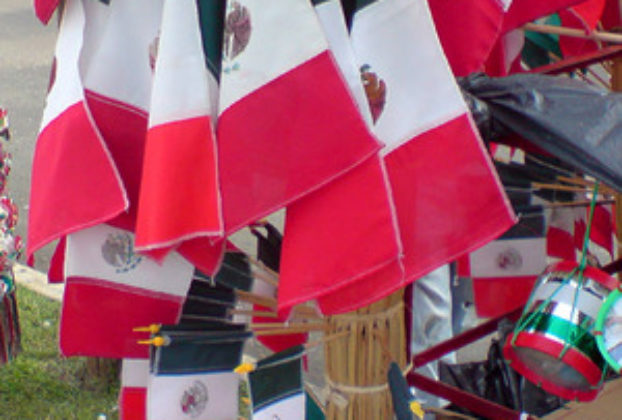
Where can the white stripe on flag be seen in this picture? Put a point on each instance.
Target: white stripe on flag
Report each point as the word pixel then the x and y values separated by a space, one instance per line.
pixel 107 253
pixel 202 396
pixel 182 88
pixel 131 28
pixel 290 408
pixel 296 39
pixel 404 116
pixel 135 373
pixel 67 89
pixel 509 258
pixel 333 23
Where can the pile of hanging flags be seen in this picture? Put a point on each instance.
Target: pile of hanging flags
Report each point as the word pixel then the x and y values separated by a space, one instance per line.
pixel 10 249
pixel 229 114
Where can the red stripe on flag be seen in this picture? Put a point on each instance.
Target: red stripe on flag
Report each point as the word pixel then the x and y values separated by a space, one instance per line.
pixel 467 31
pixel 365 291
pixel 448 198
pixel 495 296
pixel 523 11
pixel 286 139
pixel 133 403
pixel 44 9
pixel 337 235
pixel 179 194
pixel 98 316
pixel 74 182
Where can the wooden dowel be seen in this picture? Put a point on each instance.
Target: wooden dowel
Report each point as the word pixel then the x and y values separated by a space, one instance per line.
pixel 256 299
pixel 291 330
pixel 264 314
pixel 574 33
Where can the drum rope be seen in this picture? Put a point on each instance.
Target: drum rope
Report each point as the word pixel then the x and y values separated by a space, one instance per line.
pixel 582 265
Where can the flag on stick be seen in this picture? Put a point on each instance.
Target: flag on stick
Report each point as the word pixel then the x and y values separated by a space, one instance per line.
pixel 287 123
pixel 179 196
pixel 440 175
pixel 110 289
pixel 276 386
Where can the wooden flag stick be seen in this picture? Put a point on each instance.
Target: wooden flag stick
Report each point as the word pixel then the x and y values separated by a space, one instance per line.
pixel 264 314
pixel 290 330
pixel 559 187
pixel 586 183
pixel 260 325
pixel 574 33
pixel 265 276
pixel 256 299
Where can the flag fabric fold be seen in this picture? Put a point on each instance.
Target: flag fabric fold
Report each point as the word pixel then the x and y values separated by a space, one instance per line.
pixel 283 109
pixel 468 31
pixel 447 196
pixel 110 289
pixel 179 196
pixel 329 233
pixel 75 182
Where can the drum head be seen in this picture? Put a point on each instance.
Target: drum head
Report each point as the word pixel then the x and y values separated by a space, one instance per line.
pixel 608 330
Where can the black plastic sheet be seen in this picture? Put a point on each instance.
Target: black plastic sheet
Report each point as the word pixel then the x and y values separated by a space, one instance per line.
pixel 570 119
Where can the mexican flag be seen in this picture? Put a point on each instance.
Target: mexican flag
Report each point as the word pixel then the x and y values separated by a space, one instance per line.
pixel 447 196
pixel 179 195
pixel 192 377
pixel 329 233
pixel 276 387
pixel 133 392
pixel 75 181
pixel 110 289
pixel 287 123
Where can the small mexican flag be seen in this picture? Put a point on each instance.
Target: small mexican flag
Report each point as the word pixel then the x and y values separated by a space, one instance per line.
pixel 276 387
pixel 192 377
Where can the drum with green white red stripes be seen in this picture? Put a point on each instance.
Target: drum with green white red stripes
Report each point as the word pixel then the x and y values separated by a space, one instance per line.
pixel 554 343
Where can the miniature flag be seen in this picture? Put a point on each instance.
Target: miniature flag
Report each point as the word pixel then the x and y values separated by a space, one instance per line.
pixel 505 270
pixel 284 109
pixel 110 290
pixel 179 196
pixel 328 232
pixel 276 387
pixel 440 174
pixel 192 377
pixel 468 31
pixel 133 392
pixel 75 182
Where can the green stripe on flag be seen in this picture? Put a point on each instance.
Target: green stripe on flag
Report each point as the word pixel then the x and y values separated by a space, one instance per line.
pixel 212 18
pixel 276 377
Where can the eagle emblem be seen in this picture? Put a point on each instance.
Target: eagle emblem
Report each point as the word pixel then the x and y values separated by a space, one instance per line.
pixel 237 33
pixel 375 90
pixel 510 260
pixel 194 400
pixel 118 251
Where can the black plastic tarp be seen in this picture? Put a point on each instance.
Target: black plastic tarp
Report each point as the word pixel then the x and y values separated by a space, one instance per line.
pixel 572 120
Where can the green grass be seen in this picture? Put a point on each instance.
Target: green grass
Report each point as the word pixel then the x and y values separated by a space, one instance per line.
pixel 40 384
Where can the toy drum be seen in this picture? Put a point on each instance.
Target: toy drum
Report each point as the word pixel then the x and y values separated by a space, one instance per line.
pixel 553 344
pixel 608 330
